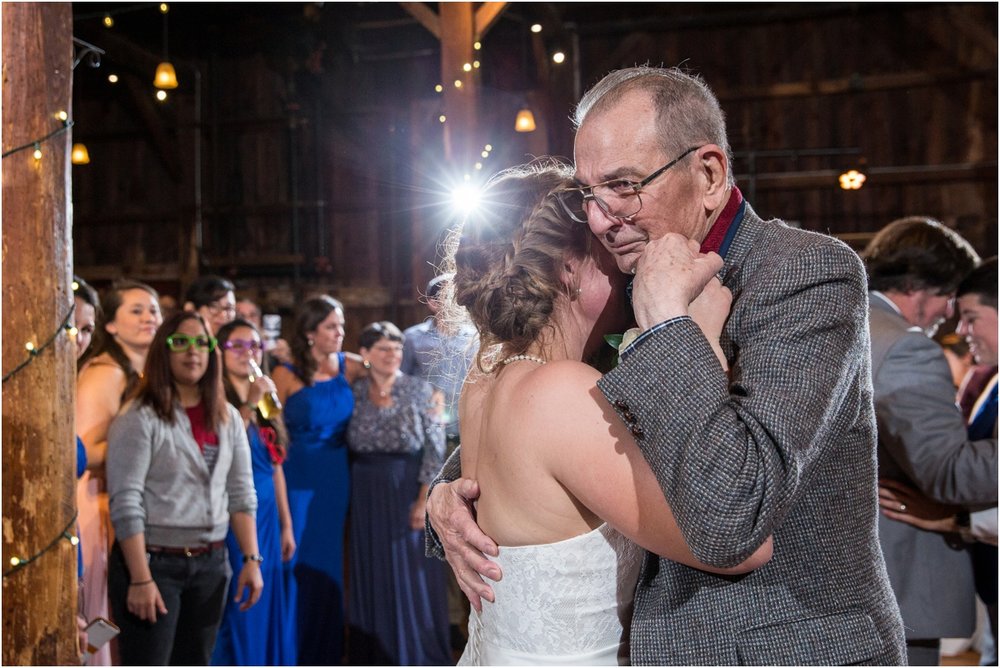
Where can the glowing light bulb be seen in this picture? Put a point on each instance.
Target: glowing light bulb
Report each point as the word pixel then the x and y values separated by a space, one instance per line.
pixel 475 63
pixel 29 346
pixel 467 67
pixel 442 118
pixel 438 88
pixel 37 152
pixel 113 78
pixel 164 8
pixel 479 165
pixel 852 180
pixel 14 561
pixel 485 154
pixel 108 21
pixel 488 147
pixel 458 83
pixel 74 540
pixel 536 27
pixel 477 45
pixel 161 95
pixel 558 57
pixel 62 116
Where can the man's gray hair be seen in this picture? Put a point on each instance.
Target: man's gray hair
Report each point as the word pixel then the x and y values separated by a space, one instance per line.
pixel 688 111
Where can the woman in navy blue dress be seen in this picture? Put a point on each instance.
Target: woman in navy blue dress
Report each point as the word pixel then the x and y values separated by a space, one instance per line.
pixel 264 634
pixel 398 596
pixel 318 403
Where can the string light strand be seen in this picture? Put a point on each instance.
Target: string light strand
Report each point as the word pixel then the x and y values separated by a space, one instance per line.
pixel 35 143
pixel 34 351
pixel 17 563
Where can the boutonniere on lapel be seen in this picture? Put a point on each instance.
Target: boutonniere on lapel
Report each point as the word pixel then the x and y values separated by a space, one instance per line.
pixel 622 341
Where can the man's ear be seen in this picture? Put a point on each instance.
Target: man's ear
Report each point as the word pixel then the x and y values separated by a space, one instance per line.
pixel 713 166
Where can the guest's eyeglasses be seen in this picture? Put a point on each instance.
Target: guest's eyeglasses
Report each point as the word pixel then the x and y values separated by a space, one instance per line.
pixel 618 198
pixel 228 309
pixel 179 343
pixel 242 345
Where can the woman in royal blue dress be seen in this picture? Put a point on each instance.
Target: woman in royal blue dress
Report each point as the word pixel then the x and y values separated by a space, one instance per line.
pixel 399 609
pixel 264 634
pixel 318 403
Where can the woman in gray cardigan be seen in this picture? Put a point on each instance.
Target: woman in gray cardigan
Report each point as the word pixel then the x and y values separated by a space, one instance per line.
pixel 179 475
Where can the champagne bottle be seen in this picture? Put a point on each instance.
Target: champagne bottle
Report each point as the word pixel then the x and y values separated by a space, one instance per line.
pixel 269 406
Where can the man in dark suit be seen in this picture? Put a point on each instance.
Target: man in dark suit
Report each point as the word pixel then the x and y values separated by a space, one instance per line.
pixel 948 587
pixel 783 447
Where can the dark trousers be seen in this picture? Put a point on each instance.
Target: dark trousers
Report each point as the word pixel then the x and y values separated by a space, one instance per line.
pixel 194 592
pixel 923 652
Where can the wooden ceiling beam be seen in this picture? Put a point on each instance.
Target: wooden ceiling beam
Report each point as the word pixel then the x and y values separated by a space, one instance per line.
pixel 876 176
pixel 424 15
pixel 486 15
pixel 858 84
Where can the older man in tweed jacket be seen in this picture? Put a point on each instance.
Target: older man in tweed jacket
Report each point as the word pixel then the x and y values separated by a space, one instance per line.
pixel 785 446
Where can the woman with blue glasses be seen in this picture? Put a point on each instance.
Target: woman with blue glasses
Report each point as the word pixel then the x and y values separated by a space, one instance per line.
pixel 179 475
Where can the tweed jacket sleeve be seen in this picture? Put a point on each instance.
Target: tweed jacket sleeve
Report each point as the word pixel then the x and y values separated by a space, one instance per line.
pixel 452 470
pixel 734 455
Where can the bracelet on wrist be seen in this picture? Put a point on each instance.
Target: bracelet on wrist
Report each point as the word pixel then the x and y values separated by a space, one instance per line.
pixel 253 557
pixel 139 584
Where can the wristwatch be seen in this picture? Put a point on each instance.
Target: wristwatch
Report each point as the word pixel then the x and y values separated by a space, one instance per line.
pixel 253 557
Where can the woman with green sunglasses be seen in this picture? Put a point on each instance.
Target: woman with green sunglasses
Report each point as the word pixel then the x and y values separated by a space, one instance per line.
pixel 179 475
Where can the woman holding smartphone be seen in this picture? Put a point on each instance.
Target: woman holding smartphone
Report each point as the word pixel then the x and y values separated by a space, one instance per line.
pixel 179 475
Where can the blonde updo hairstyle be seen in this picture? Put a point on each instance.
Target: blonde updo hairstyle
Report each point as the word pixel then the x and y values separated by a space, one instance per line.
pixel 507 259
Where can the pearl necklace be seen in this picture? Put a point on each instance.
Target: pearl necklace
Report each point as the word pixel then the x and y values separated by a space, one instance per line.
pixel 526 358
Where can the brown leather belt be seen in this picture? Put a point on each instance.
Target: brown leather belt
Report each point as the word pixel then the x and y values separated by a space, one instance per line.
pixel 186 551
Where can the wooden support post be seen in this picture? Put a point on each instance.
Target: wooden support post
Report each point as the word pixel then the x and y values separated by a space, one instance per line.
pixel 39 599
pixel 457 26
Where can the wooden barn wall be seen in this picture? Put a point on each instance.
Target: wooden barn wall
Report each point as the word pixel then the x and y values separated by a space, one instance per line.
pixel 323 171
pixel 912 87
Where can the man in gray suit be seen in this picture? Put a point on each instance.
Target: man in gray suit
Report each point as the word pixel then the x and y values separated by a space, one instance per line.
pixel 783 447
pixel 914 267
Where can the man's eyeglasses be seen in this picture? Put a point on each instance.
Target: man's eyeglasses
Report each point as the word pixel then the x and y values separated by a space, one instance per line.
pixel 228 309
pixel 242 345
pixel 618 198
pixel 179 343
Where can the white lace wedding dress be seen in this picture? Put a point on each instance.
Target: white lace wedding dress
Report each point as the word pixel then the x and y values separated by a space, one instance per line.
pixel 565 603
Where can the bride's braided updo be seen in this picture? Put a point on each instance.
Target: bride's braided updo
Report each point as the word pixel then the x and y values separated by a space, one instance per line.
pixel 507 257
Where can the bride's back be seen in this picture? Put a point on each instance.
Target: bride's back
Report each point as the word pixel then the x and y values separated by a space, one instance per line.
pixel 508 446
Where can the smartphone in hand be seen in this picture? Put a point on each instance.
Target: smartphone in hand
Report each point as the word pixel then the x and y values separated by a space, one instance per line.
pixel 99 632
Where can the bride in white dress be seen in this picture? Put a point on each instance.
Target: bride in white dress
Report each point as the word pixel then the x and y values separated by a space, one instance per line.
pixel 564 491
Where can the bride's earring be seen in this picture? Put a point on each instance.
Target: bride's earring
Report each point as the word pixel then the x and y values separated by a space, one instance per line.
pixel 366 364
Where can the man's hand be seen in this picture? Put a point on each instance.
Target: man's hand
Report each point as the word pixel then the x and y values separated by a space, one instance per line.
pixel 449 510
pixel 670 274
pixel 710 310
pixel 904 504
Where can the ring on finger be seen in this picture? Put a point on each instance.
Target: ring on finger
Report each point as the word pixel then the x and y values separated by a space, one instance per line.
pixel 902 507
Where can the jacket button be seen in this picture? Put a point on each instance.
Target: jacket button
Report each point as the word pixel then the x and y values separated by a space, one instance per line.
pixel 637 431
pixel 620 405
pixel 627 416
